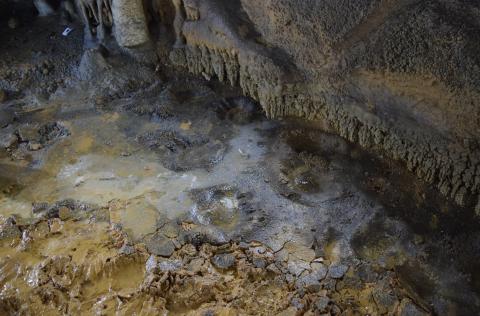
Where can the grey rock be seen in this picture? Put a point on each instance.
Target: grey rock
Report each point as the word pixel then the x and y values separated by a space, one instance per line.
pixel 126 249
pixel 259 263
pixel 319 270
pixel 160 245
pixel 337 271
pixel 310 283
pixel 297 303
pixel 205 234
pixel 329 284
pixel 223 261
pixel 169 265
pixel 408 308
pixel 321 304
pixel 297 267
pixel 151 264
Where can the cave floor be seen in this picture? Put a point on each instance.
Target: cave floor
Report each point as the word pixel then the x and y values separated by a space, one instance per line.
pixel 177 196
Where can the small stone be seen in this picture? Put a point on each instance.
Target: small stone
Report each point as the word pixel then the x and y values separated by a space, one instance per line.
pixel 151 264
pixel 169 265
pixel 127 249
pixel 223 261
pixel 160 245
pixel 310 283
pixel 322 303
pixel 319 271
pixel 337 271
pixel 297 303
pixel 408 308
pixel 297 267
pixel 259 263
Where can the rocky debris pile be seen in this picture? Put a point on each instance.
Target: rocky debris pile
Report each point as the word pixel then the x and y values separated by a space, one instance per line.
pixel 64 264
pixel 218 276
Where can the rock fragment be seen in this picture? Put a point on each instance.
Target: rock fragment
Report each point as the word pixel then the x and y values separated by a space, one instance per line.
pixel 337 271
pixel 160 245
pixel 223 261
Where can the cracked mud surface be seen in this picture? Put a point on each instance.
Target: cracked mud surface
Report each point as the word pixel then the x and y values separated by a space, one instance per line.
pixel 175 195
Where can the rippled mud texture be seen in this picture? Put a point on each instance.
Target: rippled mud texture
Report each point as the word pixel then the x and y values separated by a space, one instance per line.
pixel 134 188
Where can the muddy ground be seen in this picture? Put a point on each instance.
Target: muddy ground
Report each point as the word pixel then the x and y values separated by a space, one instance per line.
pixel 129 189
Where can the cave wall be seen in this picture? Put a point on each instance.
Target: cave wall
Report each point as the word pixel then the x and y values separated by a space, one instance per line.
pixel 399 77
